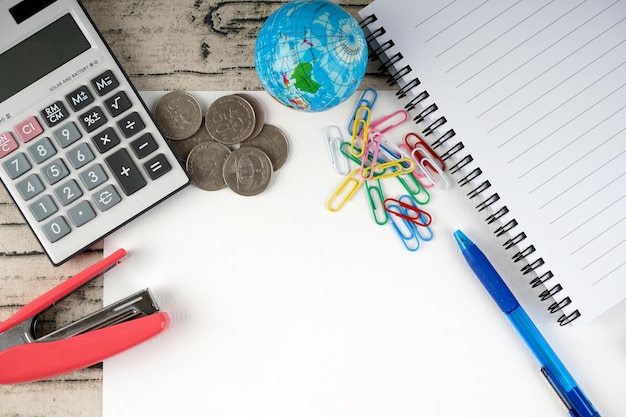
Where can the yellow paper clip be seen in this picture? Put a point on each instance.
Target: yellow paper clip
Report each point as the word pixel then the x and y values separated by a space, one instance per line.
pixel 346 190
pixel 337 158
pixel 392 168
pixel 360 129
pixel 368 98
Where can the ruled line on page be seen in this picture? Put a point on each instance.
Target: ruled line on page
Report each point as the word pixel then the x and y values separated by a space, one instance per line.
pixel 604 254
pixel 609 273
pixel 582 223
pixel 598 235
pixel 434 14
pixel 456 21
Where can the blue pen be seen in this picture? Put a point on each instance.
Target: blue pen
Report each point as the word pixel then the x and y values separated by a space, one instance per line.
pixel 551 366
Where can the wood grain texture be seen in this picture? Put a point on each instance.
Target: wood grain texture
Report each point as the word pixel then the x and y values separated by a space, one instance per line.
pixel 163 45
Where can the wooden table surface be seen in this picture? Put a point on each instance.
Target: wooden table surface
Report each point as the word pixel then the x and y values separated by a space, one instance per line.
pixel 163 45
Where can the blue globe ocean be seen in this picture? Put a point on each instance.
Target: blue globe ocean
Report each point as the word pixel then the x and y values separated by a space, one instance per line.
pixel 310 55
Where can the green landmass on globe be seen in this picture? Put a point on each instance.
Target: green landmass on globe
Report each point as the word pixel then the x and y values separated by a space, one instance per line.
pixel 310 55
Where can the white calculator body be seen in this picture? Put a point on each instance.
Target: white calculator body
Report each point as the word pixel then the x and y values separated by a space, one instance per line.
pixel 79 152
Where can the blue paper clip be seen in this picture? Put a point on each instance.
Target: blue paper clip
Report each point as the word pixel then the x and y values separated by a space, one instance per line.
pixel 337 158
pixel 423 223
pixel 404 230
pixel 363 102
pixel 376 197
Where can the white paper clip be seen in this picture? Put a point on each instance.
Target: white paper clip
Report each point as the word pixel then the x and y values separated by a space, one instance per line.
pixel 337 158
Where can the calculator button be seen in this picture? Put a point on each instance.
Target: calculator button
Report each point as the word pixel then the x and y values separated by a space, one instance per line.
pixel 54 114
pixel 157 166
pixel 79 98
pixel 56 229
pixel 93 177
pixel 29 129
pixel 80 155
pixel 41 150
pixel 7 144
pixel 81 213
pixel 105 83
pixel 30 186
pixel 106 198
pixel 93 119
pixel 17 166
pixel 131 124
pixel 43 208
pixel 67 135
pixel 118 104
pixel 106 140
pixel 144 145
pixel 55 171
pixel 68 192
pixel 125 171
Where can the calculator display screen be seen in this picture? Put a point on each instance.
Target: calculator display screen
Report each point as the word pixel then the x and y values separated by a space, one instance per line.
pixel 40 54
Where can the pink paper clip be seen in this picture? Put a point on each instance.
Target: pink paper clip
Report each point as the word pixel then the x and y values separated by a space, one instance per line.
pixel 372 147
pixel 411 212
pixel 390 122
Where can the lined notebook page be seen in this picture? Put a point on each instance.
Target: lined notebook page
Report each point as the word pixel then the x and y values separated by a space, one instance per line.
pixel 536 92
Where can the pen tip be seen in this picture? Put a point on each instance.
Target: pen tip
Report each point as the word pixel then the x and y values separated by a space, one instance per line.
pixel 463 241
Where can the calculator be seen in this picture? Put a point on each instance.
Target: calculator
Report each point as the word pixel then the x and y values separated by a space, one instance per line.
pixel 79 151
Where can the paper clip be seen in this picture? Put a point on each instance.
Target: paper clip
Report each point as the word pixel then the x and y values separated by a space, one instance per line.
pixel 420 149
pixel 431 170
pixel 392 168
pixel 346 190
pixel 375 197
pixel 402 115
pixel 360 128
pixel 406 233
pixel 363 102
pixel 410 212
pixel 337 158
pixel 415 189
pixel 418 226
pixel 369 159
pixel 417 231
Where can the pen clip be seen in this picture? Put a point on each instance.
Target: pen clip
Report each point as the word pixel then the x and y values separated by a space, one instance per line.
pixel 559 391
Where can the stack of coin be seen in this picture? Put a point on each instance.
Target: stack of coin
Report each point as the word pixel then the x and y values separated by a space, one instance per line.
pixel 228 145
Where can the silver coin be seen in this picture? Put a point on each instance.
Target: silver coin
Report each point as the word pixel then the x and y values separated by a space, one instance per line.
pixel 273 142
pixel 182 148
pixel 178 114
pixel 230 119
pixel 248 171
pixel 205 164
pixel 259 113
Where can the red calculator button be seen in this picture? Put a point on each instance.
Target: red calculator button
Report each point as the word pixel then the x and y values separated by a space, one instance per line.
pixel 28 129
pixel 7 144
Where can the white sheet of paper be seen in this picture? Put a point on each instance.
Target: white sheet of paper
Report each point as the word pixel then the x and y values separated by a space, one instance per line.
pixel 282 308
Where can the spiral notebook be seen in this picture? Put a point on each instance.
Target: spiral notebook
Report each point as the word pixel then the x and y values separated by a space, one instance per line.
pixel 527 100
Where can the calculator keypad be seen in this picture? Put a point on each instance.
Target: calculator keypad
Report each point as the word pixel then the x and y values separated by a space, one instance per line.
pixel 53 156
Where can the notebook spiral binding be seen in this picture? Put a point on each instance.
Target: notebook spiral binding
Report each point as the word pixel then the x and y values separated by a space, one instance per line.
pixel 452 149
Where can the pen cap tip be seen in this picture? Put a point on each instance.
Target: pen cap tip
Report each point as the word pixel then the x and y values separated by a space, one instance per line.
pixel 462 240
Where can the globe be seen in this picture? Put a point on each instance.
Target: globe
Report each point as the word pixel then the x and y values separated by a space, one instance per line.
pixel 310 55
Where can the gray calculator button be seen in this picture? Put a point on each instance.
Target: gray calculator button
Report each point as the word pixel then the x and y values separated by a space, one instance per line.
pixel 81 213
pixel 43 208
pixel 80 155
pixel 55 229
pixel 106 198
pixel 55 171
pixel 93 176
pixel 41 150
pixel 67 134
pixel 17 165
pixel 30 186
pixel 68 192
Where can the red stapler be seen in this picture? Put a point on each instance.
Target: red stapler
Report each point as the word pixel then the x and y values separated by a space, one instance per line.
pixel 24 357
